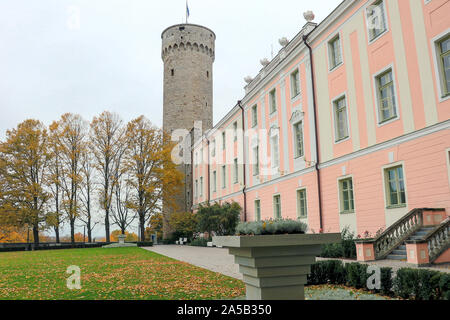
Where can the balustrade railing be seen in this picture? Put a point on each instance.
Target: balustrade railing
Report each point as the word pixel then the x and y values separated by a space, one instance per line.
pixel 396 234
pixel 439 240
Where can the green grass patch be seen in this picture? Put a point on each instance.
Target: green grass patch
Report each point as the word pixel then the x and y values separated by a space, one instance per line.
pixel 110 274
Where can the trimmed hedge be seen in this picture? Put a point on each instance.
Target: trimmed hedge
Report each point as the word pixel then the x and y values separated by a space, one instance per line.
pixel 344 249
pixel 145 244
pixel 199 242
pixel 48 246
pixel 407 284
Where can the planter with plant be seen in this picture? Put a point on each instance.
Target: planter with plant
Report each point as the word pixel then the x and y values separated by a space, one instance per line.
pixel 275 257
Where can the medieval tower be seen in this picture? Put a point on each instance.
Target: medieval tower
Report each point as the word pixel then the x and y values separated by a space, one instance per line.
pixel 188 55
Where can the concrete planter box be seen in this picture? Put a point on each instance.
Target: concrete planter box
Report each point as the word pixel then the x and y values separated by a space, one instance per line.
pixel 275 267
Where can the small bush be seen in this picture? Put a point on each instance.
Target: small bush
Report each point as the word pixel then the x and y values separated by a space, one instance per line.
pixel 345 249
pixel 199 242
pixel 406 283
pixel 145 244
pixel 444 286
pixel 271 227
pixel 386 281
pixel 355 277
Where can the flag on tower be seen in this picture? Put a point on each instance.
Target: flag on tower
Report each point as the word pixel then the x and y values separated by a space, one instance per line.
pixel 187 11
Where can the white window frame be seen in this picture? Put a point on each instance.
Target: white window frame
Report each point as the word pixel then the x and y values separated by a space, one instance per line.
pixel 273 108
pixel 235 129
pixel 385 17
pixel 254 112
pixel 376 95
pixel 437 64
pixel 224 177
pixel 256 161
pixel 201 187
pixel 273 204
pixel 385 190
pixel 331 66
pixel 275 160
pixel 257 215
pixel 214 181
pixel 295 83
pixel 335 124
pixel 297 193
pixel 294 135
pixel 341 201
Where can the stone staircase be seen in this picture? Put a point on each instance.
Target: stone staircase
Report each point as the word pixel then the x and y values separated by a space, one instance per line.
pixel 420 237
pixel 399 253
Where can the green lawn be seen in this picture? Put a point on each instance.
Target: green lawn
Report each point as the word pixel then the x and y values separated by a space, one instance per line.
pixel 121 273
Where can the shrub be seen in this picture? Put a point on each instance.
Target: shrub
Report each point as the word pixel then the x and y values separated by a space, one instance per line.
pixel 271 227
pixel 406 283
pixel 444 286
pixel 145 244
pixel 184 224
pixel 345 249
pixel 386 281
pixel 221 219
pixel 199 242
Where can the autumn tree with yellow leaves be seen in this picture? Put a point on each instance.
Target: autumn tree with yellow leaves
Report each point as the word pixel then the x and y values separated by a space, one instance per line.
pixel 153 176
pixel 24 171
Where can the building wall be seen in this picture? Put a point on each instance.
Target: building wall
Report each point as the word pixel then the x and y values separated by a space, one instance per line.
pixel 418 138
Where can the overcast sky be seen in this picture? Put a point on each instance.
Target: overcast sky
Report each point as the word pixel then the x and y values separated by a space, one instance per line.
pixel 111 60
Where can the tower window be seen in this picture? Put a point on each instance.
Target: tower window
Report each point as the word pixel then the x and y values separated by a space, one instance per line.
pixel 207 74
pixel 172 72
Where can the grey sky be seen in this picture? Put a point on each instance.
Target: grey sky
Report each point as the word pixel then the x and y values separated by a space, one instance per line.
pixel 113 60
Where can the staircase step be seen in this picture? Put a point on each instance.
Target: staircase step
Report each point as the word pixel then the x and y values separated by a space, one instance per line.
pixel 397 257
pixel 399 252
pixel 402 247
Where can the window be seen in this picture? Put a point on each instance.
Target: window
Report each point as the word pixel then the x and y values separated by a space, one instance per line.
pixel 256 161
pixel 236 171
pixel 298 136
pixel 295 83
pixel 254 116
pixel 214 181
pixel 302 211
pixel 275 152
pixel 201 186
pixel 172 72
pixel 196 188
pixel 387 109
pixel 277 207
pixel 395 187
pixel 273 101
pixel 257 210
pixel 346 195
pixel 334 52
pixel 376 20
pixel 444 61
pixel 213 148
pixel 340 119
pixel 224 177
pixel 235 131
pixel 224 140
pixel 201 156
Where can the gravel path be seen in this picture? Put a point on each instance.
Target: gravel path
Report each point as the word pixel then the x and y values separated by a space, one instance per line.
pixel 218 259
pixel 214 259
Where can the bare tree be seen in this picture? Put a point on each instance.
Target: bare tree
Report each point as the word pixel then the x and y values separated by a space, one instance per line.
pixel 107 145
pixel 70 132
pixel 87 190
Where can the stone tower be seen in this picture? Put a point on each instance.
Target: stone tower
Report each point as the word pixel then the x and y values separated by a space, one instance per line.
pixel 188 53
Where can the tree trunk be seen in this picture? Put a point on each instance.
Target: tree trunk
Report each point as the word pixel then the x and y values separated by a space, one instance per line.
pixel 57 234
pixel 72 230
pixel 89 230
pixel 36 234
pixel 107 227
pixel 142 227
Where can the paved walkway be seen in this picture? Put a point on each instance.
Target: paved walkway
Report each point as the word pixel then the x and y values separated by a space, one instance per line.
pixel 218 260
pixel 214 259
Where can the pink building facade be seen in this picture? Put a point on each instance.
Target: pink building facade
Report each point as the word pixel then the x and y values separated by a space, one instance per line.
pixel 347 127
